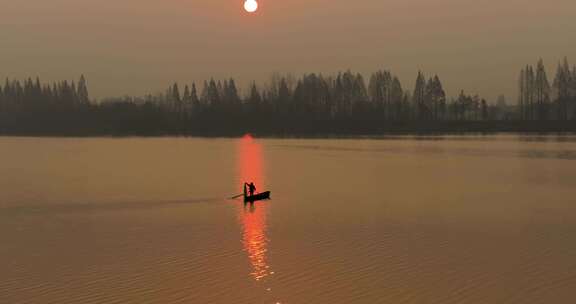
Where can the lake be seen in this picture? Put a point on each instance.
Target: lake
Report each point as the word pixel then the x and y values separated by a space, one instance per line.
pixel 445 219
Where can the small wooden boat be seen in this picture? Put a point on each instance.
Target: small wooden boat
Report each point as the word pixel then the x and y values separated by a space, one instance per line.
pixel 257 197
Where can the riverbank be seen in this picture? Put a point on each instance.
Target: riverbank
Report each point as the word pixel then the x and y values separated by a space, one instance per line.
pixel 203 128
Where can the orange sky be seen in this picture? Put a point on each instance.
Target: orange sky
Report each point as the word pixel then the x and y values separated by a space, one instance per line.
pixel 138 47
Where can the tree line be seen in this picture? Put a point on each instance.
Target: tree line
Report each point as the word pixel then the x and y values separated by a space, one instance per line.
pixel 345 96
pixel 341 103
pixel 31 96
pixel 539 99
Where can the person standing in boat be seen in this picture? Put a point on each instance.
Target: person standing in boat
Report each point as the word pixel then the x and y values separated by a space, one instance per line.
pixel 251 188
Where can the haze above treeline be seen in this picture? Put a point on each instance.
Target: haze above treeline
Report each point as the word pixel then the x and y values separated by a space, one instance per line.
pixel 127 47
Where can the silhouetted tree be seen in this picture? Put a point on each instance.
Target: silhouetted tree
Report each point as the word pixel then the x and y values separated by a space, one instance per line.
pixel 254 101
pixel 83 97
pixel 562 84
pixel 542 92
pixel 434 99
pixel 419 98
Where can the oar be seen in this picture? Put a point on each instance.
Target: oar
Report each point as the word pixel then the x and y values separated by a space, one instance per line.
pixel 237 196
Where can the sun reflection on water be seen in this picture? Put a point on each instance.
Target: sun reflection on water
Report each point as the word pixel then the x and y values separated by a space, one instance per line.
pixel 253 218
pixel 255 241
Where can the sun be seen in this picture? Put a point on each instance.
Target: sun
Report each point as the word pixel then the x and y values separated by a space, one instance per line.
pixel 251 6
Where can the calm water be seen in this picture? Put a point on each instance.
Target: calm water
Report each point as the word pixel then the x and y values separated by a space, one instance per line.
pixel 396 220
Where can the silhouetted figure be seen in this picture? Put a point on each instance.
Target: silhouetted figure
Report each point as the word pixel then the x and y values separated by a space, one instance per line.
pixel 251 188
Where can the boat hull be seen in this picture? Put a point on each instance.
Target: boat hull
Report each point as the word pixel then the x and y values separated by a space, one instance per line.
pixel 257 197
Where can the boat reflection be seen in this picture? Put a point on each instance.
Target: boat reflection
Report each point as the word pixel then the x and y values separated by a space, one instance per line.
pixel 253 218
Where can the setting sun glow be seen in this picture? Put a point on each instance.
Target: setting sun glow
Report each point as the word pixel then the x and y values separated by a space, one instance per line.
pixel 251 6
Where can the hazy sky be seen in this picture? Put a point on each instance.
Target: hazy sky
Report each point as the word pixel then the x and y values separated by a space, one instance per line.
pixel 137 47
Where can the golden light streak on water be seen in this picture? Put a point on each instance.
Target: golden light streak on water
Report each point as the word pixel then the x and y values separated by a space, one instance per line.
pixel 253 216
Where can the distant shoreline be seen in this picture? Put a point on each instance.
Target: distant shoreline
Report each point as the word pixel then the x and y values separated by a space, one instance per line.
pixel 351 129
